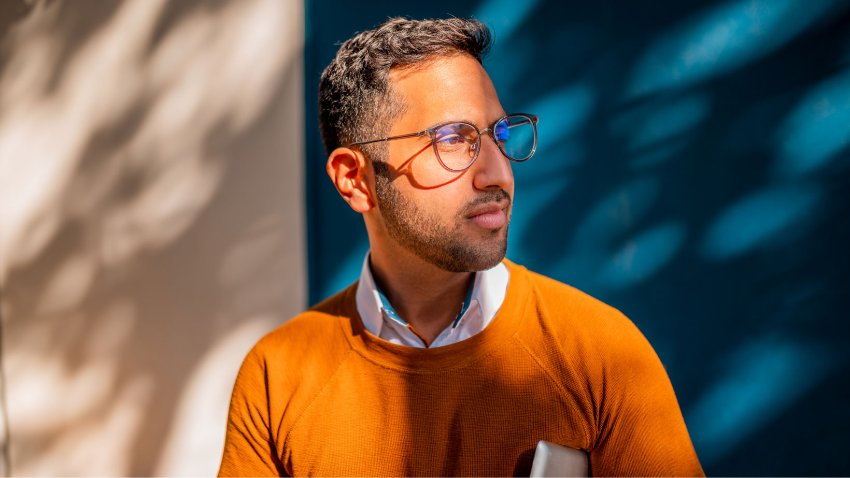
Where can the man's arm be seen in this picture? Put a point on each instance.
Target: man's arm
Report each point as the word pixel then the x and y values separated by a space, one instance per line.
pixel 249 449
pixel 641 431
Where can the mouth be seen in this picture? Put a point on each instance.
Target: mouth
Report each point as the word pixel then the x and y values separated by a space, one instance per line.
pixel 490 216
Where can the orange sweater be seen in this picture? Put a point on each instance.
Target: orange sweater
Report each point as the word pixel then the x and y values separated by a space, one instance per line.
pixel 321 396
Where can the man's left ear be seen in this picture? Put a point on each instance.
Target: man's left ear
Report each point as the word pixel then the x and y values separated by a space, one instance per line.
pixel 347 169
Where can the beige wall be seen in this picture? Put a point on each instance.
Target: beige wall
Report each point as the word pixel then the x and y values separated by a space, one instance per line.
pixel 151 222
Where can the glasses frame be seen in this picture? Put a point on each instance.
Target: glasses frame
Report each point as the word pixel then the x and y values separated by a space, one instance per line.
pixel 431 132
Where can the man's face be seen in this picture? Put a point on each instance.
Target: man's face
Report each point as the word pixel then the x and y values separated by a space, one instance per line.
pixel 456 221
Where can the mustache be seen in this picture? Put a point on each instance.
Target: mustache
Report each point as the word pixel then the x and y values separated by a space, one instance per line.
pixel 488 197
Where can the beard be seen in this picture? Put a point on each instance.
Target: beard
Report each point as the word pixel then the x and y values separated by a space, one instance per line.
pixel 442 245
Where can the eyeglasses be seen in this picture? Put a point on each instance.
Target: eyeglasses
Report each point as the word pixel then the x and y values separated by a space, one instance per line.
pixel 457 144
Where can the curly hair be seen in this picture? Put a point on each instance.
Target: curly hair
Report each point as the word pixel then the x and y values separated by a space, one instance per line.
pixel 355 97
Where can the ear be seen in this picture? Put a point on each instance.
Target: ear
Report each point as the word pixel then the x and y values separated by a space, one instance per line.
pixel 347 170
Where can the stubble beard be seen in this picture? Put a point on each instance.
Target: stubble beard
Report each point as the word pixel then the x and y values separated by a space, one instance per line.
pixel 427 237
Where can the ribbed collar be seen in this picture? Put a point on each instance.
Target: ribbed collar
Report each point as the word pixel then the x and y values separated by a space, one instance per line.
pixel 489 341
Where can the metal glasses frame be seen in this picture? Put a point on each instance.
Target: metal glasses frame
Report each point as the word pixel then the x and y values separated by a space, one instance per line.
pixel 431 132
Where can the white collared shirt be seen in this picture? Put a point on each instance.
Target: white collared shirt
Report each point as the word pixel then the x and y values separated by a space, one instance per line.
pixel 379 318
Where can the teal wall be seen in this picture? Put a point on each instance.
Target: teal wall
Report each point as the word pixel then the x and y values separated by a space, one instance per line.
pixel 693 171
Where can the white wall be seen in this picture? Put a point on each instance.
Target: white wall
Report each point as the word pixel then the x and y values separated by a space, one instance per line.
pixel 151 223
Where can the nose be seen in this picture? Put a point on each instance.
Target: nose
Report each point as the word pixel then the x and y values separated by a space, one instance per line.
pixel 492 169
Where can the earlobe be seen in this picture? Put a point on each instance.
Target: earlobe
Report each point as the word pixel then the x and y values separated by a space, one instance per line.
pixel 347 171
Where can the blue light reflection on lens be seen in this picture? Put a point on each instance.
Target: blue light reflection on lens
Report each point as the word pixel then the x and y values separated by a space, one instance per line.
pixel 500 131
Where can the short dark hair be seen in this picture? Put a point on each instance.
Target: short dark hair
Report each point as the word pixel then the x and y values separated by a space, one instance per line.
pixel 355 100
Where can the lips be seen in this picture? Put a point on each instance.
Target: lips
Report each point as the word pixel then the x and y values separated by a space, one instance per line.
pixel 490 215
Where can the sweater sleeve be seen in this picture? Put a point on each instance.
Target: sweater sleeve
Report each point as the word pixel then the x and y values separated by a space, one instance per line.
pixel 249 449
pixel 641 431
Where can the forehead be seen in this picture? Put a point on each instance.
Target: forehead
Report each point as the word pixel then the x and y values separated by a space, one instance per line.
pixel 445 89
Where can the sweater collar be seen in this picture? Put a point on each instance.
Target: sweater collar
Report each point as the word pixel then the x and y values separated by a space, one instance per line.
pixel 460 354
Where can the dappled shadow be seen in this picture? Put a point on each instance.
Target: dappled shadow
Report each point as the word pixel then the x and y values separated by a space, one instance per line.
pixel 152 226
pixel 417 174
pixel 693 172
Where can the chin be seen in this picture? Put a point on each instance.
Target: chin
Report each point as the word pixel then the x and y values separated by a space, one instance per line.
pixel 475 258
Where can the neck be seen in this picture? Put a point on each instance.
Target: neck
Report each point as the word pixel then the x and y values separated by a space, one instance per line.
pixel 425 296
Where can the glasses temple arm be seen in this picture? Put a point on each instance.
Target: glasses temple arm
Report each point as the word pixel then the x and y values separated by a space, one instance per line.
pixel 402 136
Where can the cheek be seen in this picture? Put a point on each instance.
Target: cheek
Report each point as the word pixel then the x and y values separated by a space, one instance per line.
pixel 440 204
pixel 426 172
pixel 418 164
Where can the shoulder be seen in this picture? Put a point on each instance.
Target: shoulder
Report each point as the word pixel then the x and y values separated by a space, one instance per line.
pixel 312 340
pixel 566 303
pixel 581 322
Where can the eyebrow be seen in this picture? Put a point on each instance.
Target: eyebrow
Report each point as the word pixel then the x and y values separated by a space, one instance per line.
pixel 462 120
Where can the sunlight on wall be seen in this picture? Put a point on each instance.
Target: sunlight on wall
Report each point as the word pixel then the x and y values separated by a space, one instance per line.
pixel 202 410
pixel 757 219
pixel 664 122
pixel 29 114
pixel 656 131
pixel 562 114
pixel 817 130
pixel 616 212
pixel 69 285
pixel 101 444
pixel 722 39
pixel 608 252
pixel 759 381
pixel 507 64
pixel 642 256
pixel 141 146
pixel 504 16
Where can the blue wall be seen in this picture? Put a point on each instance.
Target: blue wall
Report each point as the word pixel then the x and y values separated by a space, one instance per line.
pixel 694 171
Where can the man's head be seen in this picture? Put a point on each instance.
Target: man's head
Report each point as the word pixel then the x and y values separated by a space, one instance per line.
pixel 403 77
pixel 355 97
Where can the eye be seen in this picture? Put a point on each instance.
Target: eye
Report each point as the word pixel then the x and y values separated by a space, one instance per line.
pixel 451 142
pixel 451 139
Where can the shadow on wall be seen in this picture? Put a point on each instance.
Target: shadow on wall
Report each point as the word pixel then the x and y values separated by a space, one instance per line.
pixel 151 218
pixel 693 170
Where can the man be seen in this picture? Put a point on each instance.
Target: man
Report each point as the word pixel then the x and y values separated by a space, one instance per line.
pixel 444 358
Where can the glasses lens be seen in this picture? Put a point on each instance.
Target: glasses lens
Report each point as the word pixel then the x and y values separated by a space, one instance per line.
pixel 456 144
pixel 517 136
